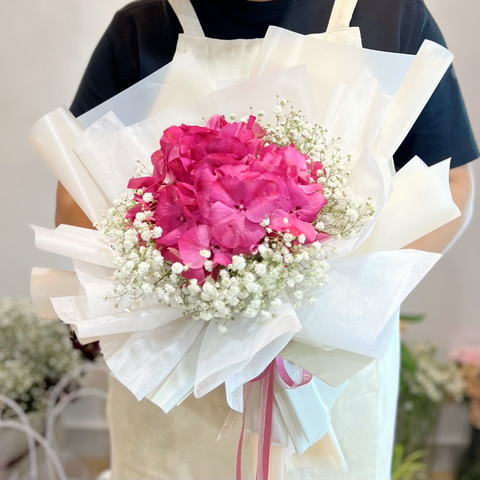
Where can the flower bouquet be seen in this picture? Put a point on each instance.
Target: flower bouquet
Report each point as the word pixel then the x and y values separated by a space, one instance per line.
pixel 262 251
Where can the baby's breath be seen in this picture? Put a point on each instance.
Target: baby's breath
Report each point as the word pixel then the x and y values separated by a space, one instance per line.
pixel 345 213
pixel 251 285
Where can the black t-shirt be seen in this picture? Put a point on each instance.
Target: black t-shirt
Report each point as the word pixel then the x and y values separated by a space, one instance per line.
pixel 143 35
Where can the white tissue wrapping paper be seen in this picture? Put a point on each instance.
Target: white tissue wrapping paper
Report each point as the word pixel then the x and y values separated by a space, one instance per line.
pixel 158 352
pixel 166 87
pixel 53 136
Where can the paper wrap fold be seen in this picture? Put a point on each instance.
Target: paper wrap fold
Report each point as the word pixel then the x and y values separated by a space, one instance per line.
pixel 163 355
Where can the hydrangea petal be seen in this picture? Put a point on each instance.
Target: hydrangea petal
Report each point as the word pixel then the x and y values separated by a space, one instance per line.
pixel 295 226
pixel 231 229
pixel 192 242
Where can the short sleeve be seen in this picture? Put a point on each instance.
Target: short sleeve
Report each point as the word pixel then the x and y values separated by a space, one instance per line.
pixel 106 75
pixel 443 129
pixel 140 39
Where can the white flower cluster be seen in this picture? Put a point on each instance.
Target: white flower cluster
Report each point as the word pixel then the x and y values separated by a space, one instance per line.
pixel 434 379
pixel 141 269
pixel 345 213
pixel 34 355
pixel 251 286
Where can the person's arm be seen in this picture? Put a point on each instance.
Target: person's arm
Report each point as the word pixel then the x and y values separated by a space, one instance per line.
pixel 462 188
pixel 68 212
pixel 442 130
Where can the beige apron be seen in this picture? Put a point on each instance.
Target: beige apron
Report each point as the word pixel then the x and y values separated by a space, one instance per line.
pixel 224 60
pixel 148 444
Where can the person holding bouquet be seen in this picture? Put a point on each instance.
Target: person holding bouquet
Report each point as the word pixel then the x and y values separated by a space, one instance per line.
pixel 225 37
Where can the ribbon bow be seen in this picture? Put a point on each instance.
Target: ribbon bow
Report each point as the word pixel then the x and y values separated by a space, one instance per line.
pixel 276 369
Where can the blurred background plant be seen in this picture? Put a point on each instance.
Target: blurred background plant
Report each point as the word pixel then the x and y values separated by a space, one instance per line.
pixel 34 354
pixel 410 467
pixel 61 385
pixel 426 382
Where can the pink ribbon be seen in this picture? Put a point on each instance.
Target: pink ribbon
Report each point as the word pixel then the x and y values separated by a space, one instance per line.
pixel 303 377
pixel 266 412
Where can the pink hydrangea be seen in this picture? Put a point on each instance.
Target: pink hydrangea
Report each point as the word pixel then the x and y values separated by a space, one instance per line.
pixel 213 187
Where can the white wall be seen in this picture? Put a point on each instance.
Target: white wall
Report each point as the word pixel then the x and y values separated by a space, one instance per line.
pixel 44 49
pixel 45 46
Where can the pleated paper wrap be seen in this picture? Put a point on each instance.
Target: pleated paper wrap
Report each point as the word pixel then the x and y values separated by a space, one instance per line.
pixel 370 99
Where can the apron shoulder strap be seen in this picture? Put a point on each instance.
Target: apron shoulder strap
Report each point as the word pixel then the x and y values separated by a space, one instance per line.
pixel 342 13
pixel 187 17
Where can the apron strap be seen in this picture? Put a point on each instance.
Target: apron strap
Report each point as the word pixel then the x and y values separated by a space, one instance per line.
pixel 187 17
pixel 342 13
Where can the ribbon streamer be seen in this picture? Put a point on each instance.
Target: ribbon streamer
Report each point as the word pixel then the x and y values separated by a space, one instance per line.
pixel 302 376
pixel 266 411
pixel 266 414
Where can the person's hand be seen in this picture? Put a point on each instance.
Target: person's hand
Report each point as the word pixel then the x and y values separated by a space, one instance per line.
pixel 68 212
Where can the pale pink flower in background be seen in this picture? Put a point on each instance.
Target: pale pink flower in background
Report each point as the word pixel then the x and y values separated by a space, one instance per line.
pixel 466 355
